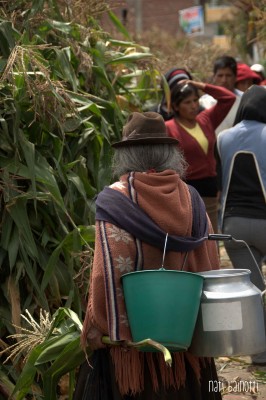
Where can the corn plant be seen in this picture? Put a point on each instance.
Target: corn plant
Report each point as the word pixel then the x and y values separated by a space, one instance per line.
pixel 66 88
pixel 50 348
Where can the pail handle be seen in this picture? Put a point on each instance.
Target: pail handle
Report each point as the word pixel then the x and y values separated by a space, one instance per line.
pixel 224 237
pixel 164 250
pixel 184 262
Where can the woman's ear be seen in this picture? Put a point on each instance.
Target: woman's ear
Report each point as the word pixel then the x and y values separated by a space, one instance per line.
pixel 174 108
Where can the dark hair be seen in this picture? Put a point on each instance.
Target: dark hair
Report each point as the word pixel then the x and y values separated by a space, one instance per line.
pixel 225 62
pixel 250 105
pixel 172 77
pixel 181 92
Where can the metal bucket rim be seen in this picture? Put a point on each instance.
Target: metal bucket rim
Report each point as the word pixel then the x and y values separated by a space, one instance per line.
pixel 221 273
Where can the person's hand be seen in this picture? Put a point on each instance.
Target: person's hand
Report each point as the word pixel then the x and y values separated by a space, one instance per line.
pixel 197 84
pixel 95 339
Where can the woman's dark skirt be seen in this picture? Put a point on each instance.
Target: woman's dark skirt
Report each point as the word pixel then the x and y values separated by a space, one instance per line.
pixel 97 382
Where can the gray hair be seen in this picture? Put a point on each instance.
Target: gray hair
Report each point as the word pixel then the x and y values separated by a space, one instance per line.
pixel 141 158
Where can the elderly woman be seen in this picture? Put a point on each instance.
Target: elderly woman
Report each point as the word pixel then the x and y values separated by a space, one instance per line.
pixel 133 216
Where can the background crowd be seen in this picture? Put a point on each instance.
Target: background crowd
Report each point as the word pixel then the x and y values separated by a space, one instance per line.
pixel 222 133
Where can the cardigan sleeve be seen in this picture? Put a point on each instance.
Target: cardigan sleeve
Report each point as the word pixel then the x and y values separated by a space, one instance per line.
pixel 225 100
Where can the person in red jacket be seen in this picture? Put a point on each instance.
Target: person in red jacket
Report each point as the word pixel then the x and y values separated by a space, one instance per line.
pixel 196 134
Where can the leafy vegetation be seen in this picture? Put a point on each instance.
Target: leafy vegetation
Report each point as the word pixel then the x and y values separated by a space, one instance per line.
pixel 66 88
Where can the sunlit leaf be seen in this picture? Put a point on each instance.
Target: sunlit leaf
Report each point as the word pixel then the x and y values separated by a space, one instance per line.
pixel 57 344
pixel 129 58
pixel 118 24
pixel 64 27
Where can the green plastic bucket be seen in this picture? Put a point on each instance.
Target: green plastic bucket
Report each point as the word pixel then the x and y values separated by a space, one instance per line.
pixel 163 305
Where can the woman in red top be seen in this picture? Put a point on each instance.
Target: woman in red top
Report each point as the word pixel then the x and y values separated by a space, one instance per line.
pixel 196 134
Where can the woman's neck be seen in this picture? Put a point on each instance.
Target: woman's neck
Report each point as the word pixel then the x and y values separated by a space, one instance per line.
pixel 187 122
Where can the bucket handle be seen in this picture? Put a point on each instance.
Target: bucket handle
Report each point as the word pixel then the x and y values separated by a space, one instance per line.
pixel 164 250
pixel 225 237
pixel 184 262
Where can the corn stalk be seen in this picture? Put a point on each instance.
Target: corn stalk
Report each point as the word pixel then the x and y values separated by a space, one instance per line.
pixel 66 88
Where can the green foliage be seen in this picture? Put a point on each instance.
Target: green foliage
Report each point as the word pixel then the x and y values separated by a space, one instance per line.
pixel 248 28
pixel 57 353
pixel 66 88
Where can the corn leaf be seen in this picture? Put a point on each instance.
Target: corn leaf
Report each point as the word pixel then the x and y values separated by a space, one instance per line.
pixel 13 247
pixel 66 68
pixel 118 24
pixel 29 154
pixel 129 58
pixel 52 351
pixel 6 384
pixel 61 26
pixel 26 378
pixel 19 214
pixel 28 268
pixel 7 41
pixel 36 6
pixel 49 270
pixel 70 358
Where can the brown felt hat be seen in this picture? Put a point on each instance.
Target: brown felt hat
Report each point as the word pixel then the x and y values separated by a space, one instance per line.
pixel 144 128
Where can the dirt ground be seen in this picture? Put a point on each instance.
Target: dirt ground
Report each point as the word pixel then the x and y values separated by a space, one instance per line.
pixel 238 378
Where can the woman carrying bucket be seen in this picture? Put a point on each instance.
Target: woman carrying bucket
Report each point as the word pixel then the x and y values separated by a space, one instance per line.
pixel 149 203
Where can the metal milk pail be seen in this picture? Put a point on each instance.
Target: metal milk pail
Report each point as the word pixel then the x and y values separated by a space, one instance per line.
pixel 231 316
